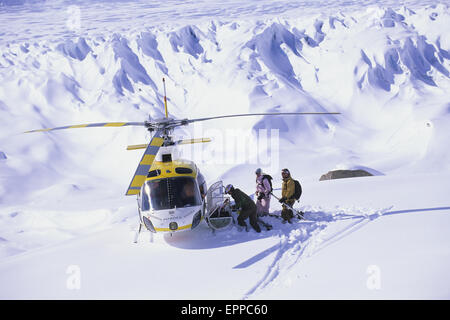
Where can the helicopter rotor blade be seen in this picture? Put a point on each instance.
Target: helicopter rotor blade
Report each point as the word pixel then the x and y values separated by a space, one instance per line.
pixel 91 125
pixel 179 142
pixel 190 141
pixel 262 114
pixel 137 146
pixel 145 164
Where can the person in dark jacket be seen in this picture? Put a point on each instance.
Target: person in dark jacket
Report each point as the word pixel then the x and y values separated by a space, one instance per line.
pixel 247 206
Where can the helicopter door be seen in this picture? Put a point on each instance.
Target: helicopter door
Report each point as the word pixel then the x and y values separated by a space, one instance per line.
pixel 218 212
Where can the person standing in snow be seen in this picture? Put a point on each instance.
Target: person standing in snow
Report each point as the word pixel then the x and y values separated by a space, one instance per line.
pixel 246 205
pixel 287 195
pixel 263 190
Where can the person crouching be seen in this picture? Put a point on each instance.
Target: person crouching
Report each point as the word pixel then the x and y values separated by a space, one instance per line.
pixel 247 206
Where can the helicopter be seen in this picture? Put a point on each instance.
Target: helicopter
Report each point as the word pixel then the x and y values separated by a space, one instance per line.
pixel 172 193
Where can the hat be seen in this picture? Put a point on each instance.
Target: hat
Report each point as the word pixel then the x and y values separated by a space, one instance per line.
pixel 258 171
pixel 285 170
pixel 228 188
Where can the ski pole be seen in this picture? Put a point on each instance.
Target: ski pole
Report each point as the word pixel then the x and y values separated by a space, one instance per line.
pixel 299 215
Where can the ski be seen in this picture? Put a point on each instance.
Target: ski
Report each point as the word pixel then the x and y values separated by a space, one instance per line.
pixel 266 225
pixel 299 218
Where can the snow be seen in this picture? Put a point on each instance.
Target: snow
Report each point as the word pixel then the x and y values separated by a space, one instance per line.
pixel 325 258
pixel 385 67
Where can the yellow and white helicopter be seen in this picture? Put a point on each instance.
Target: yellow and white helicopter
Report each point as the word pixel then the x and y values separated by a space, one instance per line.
pixel 172 193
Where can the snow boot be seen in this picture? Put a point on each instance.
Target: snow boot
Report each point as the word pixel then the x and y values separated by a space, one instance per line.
pixel 265 224
pixel 256 227
pixel 242 227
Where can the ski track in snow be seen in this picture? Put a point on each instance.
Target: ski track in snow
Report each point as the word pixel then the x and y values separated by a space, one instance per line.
pixel 305 241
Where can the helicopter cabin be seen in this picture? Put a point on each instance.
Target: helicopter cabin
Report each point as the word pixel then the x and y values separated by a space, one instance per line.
pixel 173 184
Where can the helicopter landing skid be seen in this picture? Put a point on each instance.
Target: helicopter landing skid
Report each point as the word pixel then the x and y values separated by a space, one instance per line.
pixel 138 232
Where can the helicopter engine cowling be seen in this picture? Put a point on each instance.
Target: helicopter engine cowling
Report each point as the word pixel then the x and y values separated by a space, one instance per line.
pixel 167 154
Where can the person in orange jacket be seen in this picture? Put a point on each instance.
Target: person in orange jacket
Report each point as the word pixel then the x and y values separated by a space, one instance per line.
pixel 287 195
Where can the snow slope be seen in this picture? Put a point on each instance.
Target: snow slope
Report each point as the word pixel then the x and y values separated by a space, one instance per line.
pixel 325 258
pixel 384 67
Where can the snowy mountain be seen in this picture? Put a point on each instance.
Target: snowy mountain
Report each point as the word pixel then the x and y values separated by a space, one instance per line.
pixel 383 65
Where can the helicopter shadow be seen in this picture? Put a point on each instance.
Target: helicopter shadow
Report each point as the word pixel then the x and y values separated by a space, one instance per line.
pixel 287 234
pixel 204 238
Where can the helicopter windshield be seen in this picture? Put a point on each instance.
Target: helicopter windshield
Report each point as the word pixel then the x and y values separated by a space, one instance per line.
pixel 169 193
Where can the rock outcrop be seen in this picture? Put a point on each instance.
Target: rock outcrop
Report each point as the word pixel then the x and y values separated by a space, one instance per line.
pixel 340 174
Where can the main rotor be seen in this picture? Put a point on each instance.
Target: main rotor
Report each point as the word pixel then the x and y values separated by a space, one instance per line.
pixel 161 130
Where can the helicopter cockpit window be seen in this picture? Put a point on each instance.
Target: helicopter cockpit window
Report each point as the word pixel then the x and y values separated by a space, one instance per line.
pixel 169 193
pixel 154 173
pixel 181 170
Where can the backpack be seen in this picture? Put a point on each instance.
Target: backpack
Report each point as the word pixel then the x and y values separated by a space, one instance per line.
pixel 269 178
pixel 298 190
